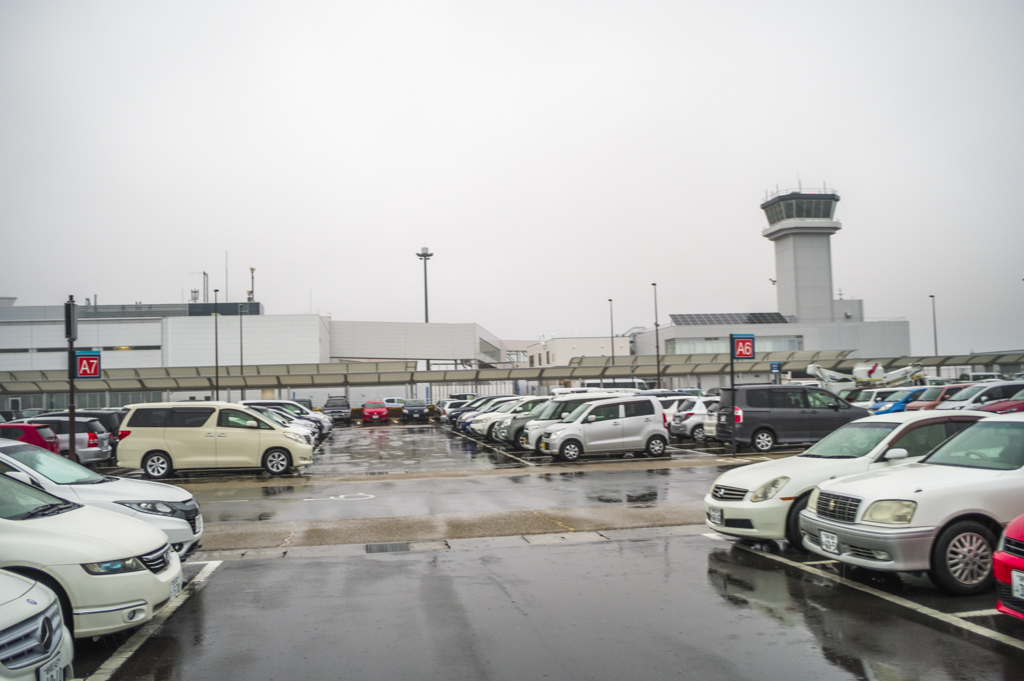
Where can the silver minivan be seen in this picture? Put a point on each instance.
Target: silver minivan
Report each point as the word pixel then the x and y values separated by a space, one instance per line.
pixel 622 424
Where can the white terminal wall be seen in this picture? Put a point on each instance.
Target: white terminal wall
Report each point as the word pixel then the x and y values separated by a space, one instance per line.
pixel 866 339
pixel 399 340
pixel 564 349
pixel 268 339
pixel 91 335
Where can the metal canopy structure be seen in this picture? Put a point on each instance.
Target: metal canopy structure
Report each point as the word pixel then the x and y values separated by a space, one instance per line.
pixel 394 373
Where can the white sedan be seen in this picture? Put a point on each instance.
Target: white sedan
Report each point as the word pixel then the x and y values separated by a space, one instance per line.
pixel 942 516
pixel 764 500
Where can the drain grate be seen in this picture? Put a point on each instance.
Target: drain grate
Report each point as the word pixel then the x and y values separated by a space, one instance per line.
pixel 388 547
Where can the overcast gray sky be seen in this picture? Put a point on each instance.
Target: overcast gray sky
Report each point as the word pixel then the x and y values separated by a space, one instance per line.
pixel 551 154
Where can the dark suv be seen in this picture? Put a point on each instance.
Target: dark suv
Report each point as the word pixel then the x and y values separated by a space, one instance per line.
pixel 770 414
pixel 339 409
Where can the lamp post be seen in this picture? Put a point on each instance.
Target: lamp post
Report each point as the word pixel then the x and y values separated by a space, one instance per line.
pixel 935 327
pixel 241 351
pixel 657 336
pixel 425 255
pixel 216 350
pixel 252 284
pixel 611 328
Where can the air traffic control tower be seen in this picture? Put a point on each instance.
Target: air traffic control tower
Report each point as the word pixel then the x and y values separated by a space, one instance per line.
pixel 801 225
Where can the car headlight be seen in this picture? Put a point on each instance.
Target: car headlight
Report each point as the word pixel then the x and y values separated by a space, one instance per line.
pixel 769 489
pixel 114 567
pixel 294 436
pixel 556 433
pixel 154 507
pixel 812 501
pixel 891 512
pixel 1001 544
pixel 404 410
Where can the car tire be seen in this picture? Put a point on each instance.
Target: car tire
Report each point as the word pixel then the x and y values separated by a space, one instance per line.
pixel 793 534
pixel 570 451
pixel 697 434
pixel 763 440
pixel 277 461
pixel 489 435
pixel 656 447
pixel 157 465
pixel 962 559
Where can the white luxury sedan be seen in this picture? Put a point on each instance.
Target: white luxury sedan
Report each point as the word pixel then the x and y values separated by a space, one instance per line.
pixel 942 516
pixel 764 500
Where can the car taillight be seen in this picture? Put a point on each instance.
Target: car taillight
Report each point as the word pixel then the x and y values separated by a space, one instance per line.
pixel 664 419
pixel 738 414
pixel 687 414
pixel 122 434
pixel 93 440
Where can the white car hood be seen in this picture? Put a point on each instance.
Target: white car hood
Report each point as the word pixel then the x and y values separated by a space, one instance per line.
pixel 797 468
pixel 126 489
pixel 13 586
pixel 904 482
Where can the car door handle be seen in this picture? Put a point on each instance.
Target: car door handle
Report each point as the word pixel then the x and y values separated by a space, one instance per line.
pixel 209 435
pixel 615 423
pixel 648 420
pixel 222 434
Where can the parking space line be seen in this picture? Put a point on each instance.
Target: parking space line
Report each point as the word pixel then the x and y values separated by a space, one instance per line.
pixel 820 562
pixel 977 613
pixel 944 617
pixel 128 648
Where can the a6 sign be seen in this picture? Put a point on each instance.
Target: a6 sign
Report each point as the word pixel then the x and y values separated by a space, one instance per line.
pixel 742 346
pixel 87 365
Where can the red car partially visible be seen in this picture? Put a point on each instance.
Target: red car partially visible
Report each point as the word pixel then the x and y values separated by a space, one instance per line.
pixel 32 433
pixel 1014 404
pixel 1008 566
pixel 375 412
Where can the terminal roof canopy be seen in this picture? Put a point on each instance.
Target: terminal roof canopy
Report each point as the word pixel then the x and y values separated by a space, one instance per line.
pixel 728 318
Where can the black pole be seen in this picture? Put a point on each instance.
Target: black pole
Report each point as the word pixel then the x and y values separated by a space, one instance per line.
pixel 657 337
pixel 611 327
pixel 241 351
pixel 71 332
pixel 935 327
pixel 216 350
pixel 732 390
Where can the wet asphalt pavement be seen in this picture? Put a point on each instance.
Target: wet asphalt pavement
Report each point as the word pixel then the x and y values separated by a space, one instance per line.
pixel 647 603
pixel 666 608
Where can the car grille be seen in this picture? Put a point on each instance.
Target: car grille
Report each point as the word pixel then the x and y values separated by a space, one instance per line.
pixel 1007 599
pixel 837 507
pixel 158 560
pixel 724 493
pixel 1014 547
pixel 31 640
pixel 309 440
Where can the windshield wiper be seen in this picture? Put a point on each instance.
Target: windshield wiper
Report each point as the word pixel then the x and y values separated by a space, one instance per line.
pixel 48 510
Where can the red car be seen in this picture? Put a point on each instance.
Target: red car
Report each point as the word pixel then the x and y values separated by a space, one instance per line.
pixel 375 412
pixel 1008 566
pixel 1014 404
pixel 33 433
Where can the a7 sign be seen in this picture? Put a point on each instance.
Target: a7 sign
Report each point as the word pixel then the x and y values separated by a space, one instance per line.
pixel 742 345
pixel 87 365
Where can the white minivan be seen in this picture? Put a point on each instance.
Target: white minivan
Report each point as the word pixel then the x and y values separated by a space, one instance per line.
pixel 163 437
pixel 623 424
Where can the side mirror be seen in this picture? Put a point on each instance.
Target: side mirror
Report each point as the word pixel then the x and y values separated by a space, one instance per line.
pixel 946 396
pixel 591 418
pixel 896 454
pixel 24 477
pixel 834 406
pixel 251 424
pixel 563 414
pixel 983 398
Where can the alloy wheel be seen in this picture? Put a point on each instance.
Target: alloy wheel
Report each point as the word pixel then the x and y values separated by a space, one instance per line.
pixel 969 558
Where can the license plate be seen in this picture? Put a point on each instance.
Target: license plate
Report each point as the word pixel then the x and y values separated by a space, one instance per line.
pixel 52 670
pixel 715 515
pixel 175 587
pixel 199 523
pixel 829 542
pixel 1018 584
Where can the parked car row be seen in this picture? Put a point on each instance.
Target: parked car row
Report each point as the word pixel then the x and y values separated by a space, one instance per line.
pixel 81 555
pixel 918 491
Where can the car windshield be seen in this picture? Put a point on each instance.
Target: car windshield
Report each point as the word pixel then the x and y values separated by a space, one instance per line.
pixel 996 446
pixel 576 413
pixel 22 502
pixel 930 395
pixel 850 442
pixel 55 468
pixel 374 405
pixel 507 407
pixel 336 402
pixel 967 393
pixel 538 408
pixel 899 396
pixel 415 403
pixel 294 408
pixel 850 395
pixel 275 416
pixel 1018 396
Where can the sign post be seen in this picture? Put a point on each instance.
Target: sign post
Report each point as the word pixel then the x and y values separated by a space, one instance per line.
pixel 741 346
pixel 71 334
pixel 776 371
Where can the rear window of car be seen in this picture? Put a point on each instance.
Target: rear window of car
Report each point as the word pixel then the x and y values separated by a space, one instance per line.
pixel 757 399
pixel 93 426
pixel 189 418
pixel 643 408
pixel 59 427
pixel 12 433
pixel 149 418
pixel 45 432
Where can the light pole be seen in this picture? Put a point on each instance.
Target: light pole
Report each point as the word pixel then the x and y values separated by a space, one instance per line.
pixel 611 328
pixel 252 284
pixel 425 255
pixel 935 327
pixel 216 350
pixel 657 336
pixel 241 350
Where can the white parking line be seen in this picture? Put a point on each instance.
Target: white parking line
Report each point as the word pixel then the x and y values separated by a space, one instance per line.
pixel 947 618
pixel 128 648
pixel 978 613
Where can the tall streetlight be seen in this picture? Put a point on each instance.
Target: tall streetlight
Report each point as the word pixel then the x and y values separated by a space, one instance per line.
pixel 657 336
pixel 935 327
pixel 611 328
pixel 216 350
pixel 425 255
pixel 241 349
pixel 252 284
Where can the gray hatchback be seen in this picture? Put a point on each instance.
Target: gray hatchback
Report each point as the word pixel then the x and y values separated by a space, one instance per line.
pixel 770 414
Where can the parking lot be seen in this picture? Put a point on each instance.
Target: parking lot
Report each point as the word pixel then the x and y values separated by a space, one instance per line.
pixel 414 551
